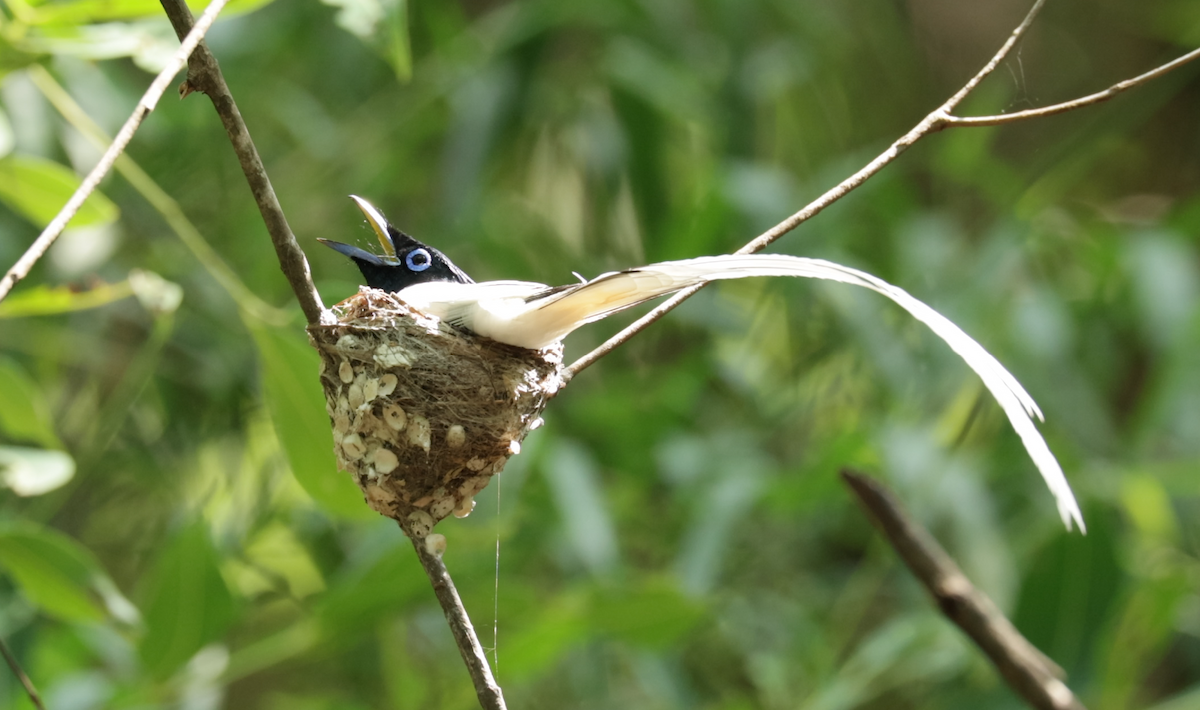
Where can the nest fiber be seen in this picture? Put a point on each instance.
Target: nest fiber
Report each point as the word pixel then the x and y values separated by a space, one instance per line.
pixel 423 415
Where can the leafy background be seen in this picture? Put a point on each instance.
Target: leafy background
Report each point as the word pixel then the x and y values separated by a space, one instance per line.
pixel 173 532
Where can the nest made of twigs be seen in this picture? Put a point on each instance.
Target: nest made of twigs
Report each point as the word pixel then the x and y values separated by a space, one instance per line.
pixel 423 415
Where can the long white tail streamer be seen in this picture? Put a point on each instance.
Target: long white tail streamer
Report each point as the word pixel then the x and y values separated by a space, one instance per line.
pixel 534 315
pixel 1009 393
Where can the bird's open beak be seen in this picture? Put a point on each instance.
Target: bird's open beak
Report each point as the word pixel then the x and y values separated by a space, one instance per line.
pixel 379 223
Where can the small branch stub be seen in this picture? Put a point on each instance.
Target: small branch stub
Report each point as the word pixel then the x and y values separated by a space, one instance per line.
pixel 423 415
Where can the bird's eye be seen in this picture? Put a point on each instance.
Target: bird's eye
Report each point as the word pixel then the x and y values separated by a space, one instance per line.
pixel 418 260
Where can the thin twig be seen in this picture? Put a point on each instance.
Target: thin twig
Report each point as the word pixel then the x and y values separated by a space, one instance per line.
pixel 166 205
pixel 929 124
pixel 204 75
pixel 1026 670
pixel 938 119
pixel 1098 97
pixel 144 106
pixel 20 674
pixel 488 691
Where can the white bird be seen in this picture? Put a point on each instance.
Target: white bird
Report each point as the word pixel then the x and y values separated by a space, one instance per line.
pixel 533 315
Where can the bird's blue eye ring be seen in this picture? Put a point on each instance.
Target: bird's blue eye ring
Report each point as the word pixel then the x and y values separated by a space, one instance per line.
pixel 418 260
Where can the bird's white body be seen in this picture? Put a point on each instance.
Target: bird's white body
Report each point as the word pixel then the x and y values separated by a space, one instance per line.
pixel 493 309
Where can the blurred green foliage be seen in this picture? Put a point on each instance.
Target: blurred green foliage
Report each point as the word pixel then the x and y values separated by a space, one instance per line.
pixel 676 535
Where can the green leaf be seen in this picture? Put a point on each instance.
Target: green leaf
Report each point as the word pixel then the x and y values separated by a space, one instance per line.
pixel 293 396
pixel 382 25
pixel 24 415
pixel 1142 633
pixel 358 599
pixel 574 479
pixel 1149 509
pixel 1069 592
pixel 38 188
pixel 53 571
pixel 409 688
pixel 87 11
pixel 1187 700
pixel 399 46
pixel 84 11
pixel 45 300
pixel 559 624
pixel 187 602
pixel 656 615
pixel 914 646
pixel 652 615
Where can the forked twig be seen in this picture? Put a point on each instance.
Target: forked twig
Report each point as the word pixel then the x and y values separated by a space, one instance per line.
pixel 940 118
pixel 926 126
pixel 1098 97
pixel 1026 670
pixel 144 106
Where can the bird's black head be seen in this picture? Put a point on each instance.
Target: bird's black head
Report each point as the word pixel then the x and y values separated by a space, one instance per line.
pixel 406 261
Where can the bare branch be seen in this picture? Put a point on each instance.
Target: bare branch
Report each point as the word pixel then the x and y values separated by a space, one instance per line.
pixel 1026 670
pixel 1098 97
pixel 488 691
pixel 930 124
pixel 144 106
pixel 937 120
pixel 205 75
pixel 26 683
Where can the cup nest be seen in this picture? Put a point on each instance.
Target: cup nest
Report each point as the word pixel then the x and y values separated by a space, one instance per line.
pixel 423 415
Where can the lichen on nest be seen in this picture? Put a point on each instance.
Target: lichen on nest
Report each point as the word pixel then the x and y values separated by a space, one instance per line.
pixel 423 415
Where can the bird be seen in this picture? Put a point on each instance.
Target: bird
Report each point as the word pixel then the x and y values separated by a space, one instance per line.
pixel 533 315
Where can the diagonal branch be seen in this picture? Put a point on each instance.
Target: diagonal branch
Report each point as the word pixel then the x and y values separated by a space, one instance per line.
pixel 938 119
pixel 1026 670
pixel 204 75
pixel 930 124
pixel 144 106
pixel 429 552
pixel 17 671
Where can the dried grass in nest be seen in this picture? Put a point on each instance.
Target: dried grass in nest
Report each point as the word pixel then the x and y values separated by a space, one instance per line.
pixel 423 414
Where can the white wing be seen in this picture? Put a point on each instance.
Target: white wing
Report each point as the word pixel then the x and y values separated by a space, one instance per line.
pixel 467 305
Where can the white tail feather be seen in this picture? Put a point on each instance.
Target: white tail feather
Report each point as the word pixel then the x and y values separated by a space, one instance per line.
pixel 534 316
pixel 561 313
